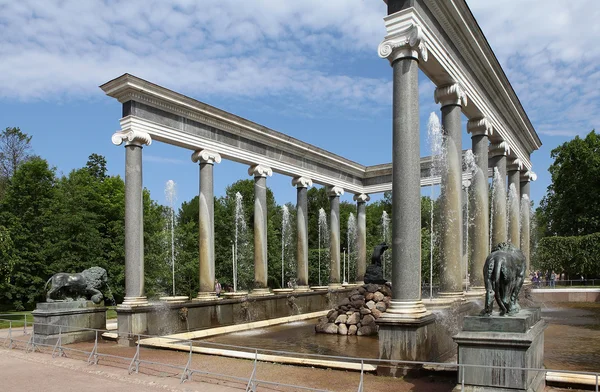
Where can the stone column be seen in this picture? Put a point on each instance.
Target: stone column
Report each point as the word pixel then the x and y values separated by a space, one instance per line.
pixel 134 215
pixel 402 47
pixel 451 98
pixel 526 178
pixel 260 174
pixel 479 235
pixel 361 238
pixel 498 153
pixel 302 183
pixel 514 200
pixel 206 223
pixel 334 193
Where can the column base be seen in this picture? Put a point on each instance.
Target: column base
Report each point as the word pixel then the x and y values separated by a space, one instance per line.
pixel 335 286
pixel 129 302
pixel 206 296
pixel 302 289
pixel 405 312
pixel 360 282
pixel 174 299
pixel 260 292
pixel 475 291
pixel 319 288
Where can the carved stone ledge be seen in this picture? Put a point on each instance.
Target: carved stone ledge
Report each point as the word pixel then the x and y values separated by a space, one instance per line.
pixel 401 43
pixel 131 137
pixel 301 182
pixel 260 171
pixel 480 126
pixel 206 156
pixel 452 94
pixel 361 198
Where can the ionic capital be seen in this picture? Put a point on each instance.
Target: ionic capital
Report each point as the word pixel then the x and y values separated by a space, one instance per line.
pixel 403 42
pixel 527 176
pixel 514 165
pixel 452 94
pixel 361 198
pixel 479 127
pixel 206 156
pixel 131 137
pixel 499 149
pixel 301 182
pixel 260 171
pixel 335 191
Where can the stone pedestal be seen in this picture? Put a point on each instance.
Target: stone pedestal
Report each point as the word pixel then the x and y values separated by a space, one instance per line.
pixel 405 340
pixel 515 341
pixel 76 318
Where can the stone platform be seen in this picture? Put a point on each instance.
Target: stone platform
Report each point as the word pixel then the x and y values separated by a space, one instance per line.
pixel 76 317
pixel 509 341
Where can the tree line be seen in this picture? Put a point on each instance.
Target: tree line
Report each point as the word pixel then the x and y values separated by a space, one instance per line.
pixel 51 223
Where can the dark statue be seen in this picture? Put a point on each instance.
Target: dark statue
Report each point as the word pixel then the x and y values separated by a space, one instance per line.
pixel 374 273
pixel 503 274
pixel 77 287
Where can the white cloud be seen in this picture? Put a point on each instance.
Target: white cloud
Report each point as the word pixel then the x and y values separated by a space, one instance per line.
pixel 287 49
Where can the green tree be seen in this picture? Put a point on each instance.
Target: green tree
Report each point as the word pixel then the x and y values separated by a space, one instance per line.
pixel 15 148
pixel 571 206
pixel 26 212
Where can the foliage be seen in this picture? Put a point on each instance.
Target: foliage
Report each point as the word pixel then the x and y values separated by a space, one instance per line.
pixel 571 206
pixel 576 255
pixel 15 148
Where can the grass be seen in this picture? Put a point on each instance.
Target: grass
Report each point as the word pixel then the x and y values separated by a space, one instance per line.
pixel 17 318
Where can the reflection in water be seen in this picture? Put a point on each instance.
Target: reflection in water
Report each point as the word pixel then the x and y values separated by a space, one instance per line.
pixel 572 340
pixel 300 337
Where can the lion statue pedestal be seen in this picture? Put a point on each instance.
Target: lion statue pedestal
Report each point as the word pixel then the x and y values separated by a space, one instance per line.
pixel 74 317
pixel 73 309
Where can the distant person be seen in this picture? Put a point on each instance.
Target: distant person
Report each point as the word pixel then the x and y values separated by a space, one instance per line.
pixel 553 279
pixel 217 288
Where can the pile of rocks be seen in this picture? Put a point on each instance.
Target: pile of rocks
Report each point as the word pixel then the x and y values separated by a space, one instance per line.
pixel 356 314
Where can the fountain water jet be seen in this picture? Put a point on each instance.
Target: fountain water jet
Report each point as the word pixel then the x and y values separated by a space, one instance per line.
pixel 323 228
pixel 435 139
pixel 351 233
pixel 171 196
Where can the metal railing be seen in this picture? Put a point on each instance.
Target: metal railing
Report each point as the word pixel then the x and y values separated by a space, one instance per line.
pixel 543 284
pixel 252 382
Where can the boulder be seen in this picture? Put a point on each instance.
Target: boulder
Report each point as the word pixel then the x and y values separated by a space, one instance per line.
pixel 381 306
pixel 386 290
pixel 342 329
pixel 369 296
pixel 341 319
pixel 367 330
pixel 353 319
pixel 378 296
pixel 352 330
pixel 331 317
pixel 330 313
pixel 349 313
pixel 375 313
pixel 330 328
pixel 361 290
pixel 359 303
pixel 364 311
pixel 367 320
pixel 371 287
pixel 344 302
pixel 357 297
pixel 353 292
pixel 370 304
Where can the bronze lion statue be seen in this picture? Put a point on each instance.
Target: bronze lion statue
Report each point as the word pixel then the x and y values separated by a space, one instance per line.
pixel 503 274
pixel 77 287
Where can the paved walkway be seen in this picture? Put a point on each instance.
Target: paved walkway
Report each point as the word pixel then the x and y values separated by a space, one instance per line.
pixel 39 371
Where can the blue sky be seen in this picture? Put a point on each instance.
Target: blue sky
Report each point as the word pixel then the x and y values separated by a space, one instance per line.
pixel 306 68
